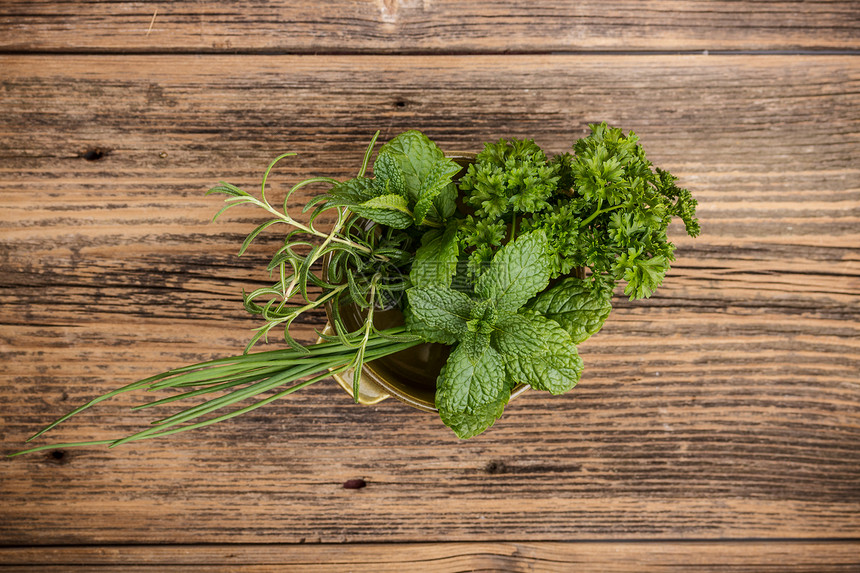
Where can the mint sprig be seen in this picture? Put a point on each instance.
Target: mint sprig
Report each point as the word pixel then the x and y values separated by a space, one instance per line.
pixel 473 387
pixel 497 347
pixel 576 306
pixel 411 185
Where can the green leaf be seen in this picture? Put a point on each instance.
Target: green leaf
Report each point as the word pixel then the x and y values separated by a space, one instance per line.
pixel 388 174
pixel 354 191
pixel 445 203
pixel 509 177
pixel 227 189
pixel 537 351
pixel 577 307
pixel 437 180
pixel 415 155
pixel 253 234
pixel 391 202
pixel 436 259
pixel 643 275
pixel 420 329
pixel 472 389
pixel 391 210
pixel 438 314
pixel 518 271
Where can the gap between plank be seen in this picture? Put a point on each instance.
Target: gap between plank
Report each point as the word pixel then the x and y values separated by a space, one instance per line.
pixel 359 53
pixel 637 540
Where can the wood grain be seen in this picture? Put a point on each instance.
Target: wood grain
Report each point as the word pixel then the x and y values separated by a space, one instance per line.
pixel 727 406
pixel 817 556
pixel 438 26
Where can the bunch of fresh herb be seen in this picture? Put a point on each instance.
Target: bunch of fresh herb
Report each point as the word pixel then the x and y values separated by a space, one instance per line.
pixel 492 278
pixel 534 221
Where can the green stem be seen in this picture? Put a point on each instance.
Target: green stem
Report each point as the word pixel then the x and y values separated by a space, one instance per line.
pixel 290 221
pixel 274 321
pixel 368 326
pixel 278 367
pixel 598 213
pixel 327 370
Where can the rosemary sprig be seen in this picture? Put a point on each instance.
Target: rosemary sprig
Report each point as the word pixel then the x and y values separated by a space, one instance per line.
pixel 355 252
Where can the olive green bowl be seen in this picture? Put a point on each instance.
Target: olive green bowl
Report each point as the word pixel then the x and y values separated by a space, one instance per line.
pixel 409 375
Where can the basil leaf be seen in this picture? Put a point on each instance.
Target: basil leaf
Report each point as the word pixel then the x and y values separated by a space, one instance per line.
pixel 472 389
pixel 518 271
pixel 538 352
pixel 437 314
pixel 580 309
pixel 436 259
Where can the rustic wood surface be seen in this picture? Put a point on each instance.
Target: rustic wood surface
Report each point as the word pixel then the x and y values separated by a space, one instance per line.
pixel 717 424
pixel 541 557
pixel 429 25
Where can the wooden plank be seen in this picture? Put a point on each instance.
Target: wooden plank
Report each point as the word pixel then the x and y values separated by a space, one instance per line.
pixel 726 406
pixel 819 556
pixel 440 26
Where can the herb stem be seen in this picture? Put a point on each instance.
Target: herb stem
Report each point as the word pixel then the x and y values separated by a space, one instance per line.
pixel 285 218
pixel 263 371
pixel 598 213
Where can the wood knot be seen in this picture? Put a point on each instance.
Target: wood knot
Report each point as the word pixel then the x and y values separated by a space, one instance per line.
pixel 354 484
pixel 496 467
pixel 57 457
pixel 94 154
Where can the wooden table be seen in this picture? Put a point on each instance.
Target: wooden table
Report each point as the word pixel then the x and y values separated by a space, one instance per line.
pixel 716 426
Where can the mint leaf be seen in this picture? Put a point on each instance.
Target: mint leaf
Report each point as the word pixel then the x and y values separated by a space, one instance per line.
pixel 438 314
pixel 411 167
pixel 391 210
pixel 415 155
pixel 354 191
pixel 445 203
pixel 426 174
pixel 538 352
pixel 436 259
pixel 437 180
pixel 371 199
pixel 573 304
pixel 391 202
pixel 388 175
pixel 518 271
pixel 483 317
pixel 472 389
pixel 425 332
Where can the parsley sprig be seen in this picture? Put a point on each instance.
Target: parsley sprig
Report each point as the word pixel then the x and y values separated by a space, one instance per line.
pixel 613 215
